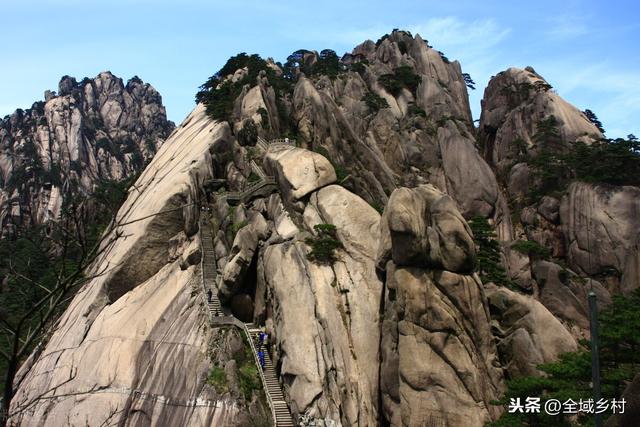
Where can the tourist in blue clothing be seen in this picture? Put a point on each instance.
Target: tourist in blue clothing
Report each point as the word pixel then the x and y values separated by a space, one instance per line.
pixel 261 358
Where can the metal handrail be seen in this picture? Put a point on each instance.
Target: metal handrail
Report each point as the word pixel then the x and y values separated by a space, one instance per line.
pixel 260 371
pixel 268 180
pixel 257 169
pixel 231 320
pixel 262 143
pixel 286 141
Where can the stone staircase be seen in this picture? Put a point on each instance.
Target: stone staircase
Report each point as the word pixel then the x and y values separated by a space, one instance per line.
pixel 265 186
pixel 261 188
pixel 209 272
pixel 257 170
pixel 283 416
pixel 218 316
pixel 264 144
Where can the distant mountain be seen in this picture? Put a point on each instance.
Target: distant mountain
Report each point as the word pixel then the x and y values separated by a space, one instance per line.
pixel 93 130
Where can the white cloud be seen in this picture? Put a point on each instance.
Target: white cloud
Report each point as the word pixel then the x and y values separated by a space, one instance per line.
pixel 443 33
pixel 566 27
pixel 447 32
pixel 612 93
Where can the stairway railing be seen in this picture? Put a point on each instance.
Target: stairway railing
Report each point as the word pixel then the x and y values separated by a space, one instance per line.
pixel 257 170
pixel 284 141
pixel 231 320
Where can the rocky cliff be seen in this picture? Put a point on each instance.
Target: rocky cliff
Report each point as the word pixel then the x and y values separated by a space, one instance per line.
pixel 89 131
pixel 134 345
pixel 350 243
pixel 530 136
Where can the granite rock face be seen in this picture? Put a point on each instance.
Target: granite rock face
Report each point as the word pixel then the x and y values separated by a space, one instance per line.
pixel 589 228
pixel 528 334
pixel 515 101
pixel 132 348
pixel 439 360
pixel 424 135
pixel 299 171
pixel 93 130
pixel 600 225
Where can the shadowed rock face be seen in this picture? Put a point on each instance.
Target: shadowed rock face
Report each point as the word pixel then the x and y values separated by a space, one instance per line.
pixel 325 318
pixel 439 360
pixel 589 227
pixel 98 129
pixel 527 333
pixel 601 225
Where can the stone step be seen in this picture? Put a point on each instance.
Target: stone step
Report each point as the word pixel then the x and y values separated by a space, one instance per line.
pixel 271 381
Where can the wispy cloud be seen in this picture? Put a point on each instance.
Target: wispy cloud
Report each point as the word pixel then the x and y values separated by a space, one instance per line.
pixel 476 36
pixel 566 27
pixel 612 93
pixel 474 43
pixel 442 32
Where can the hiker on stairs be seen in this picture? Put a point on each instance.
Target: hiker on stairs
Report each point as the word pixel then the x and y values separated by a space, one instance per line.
pixel 210 295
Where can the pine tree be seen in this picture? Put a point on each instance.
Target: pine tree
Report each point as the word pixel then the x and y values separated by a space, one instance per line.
pixel 488 260
pixel 570 377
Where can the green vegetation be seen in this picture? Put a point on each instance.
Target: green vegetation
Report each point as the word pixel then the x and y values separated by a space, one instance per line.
pixel 615 162
pixel 106 145
pixel 248 135
pixel 377 206
pixel 570 377
pixel 218 94
pixel 327 64
pixel 253 178
pixel 488 261
pixel 555 165
pixel 374 102
pixel 150 145
pixel 469 81
pixel 520 148
pixel 246 370
pixel 109 195
pixel 239 225
pixel 248 379
pixel 414 110
pixel 532 249
pixel 264 116
pixel 359 67
pixel 444 57
pixel 324 244
pixel 593 119
pixel 381 39
pixel 217 378
pixel 402 77
pixel 248 375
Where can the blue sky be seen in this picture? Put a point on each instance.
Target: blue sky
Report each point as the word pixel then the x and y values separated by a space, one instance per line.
pixel 588 50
